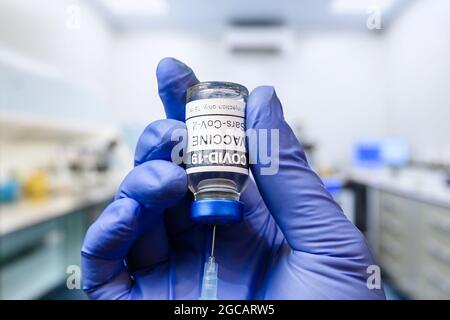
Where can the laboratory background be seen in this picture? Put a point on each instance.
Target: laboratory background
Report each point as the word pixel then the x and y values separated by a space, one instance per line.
pixel 365 85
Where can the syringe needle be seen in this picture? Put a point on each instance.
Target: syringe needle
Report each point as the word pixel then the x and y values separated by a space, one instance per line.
pixel 213 240
pixel 209 281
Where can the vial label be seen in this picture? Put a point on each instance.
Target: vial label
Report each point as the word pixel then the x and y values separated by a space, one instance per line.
pixel 216 136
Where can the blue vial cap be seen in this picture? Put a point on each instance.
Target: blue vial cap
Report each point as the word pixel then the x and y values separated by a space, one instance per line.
pixel 216 211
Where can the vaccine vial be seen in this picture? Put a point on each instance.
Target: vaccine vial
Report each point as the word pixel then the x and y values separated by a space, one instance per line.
pixel 216 157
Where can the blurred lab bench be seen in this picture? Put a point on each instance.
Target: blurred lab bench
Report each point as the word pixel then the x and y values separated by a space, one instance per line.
pixel 408 226
pixel 40 240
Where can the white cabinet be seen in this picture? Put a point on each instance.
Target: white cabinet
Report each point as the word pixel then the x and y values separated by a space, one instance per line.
pixel 33 261
pixel 411 240
pixel 434 252
pixel 395 250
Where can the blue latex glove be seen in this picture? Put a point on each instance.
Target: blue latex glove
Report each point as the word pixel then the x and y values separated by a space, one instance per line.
pixel 294 242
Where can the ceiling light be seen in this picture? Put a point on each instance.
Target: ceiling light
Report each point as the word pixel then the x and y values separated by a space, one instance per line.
pixel 359 6
pixel 136 7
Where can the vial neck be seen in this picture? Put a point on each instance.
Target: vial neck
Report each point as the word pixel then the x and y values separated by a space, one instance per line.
pixel 217 189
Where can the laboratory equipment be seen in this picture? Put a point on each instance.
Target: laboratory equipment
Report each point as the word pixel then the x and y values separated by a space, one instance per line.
pixel 9 190
pixel 36 186
pixel 381 152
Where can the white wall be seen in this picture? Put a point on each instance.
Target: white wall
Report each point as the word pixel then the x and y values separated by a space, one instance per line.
pixel 329 83
pixel 52 72
pixel 419 79
pixel 339 92
pixel 38 29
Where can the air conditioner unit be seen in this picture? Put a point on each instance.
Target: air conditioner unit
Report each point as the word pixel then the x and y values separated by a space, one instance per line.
pixel 258 37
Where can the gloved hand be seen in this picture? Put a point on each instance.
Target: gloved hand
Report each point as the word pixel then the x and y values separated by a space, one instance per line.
pixel 294 241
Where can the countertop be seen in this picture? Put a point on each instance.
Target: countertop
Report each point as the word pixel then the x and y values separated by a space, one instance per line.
pixel 23 214
pixel 423 185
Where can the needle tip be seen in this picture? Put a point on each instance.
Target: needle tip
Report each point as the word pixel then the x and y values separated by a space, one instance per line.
pixel 213 240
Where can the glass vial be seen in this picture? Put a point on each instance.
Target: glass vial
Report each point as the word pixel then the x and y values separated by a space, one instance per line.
pixel 216 157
